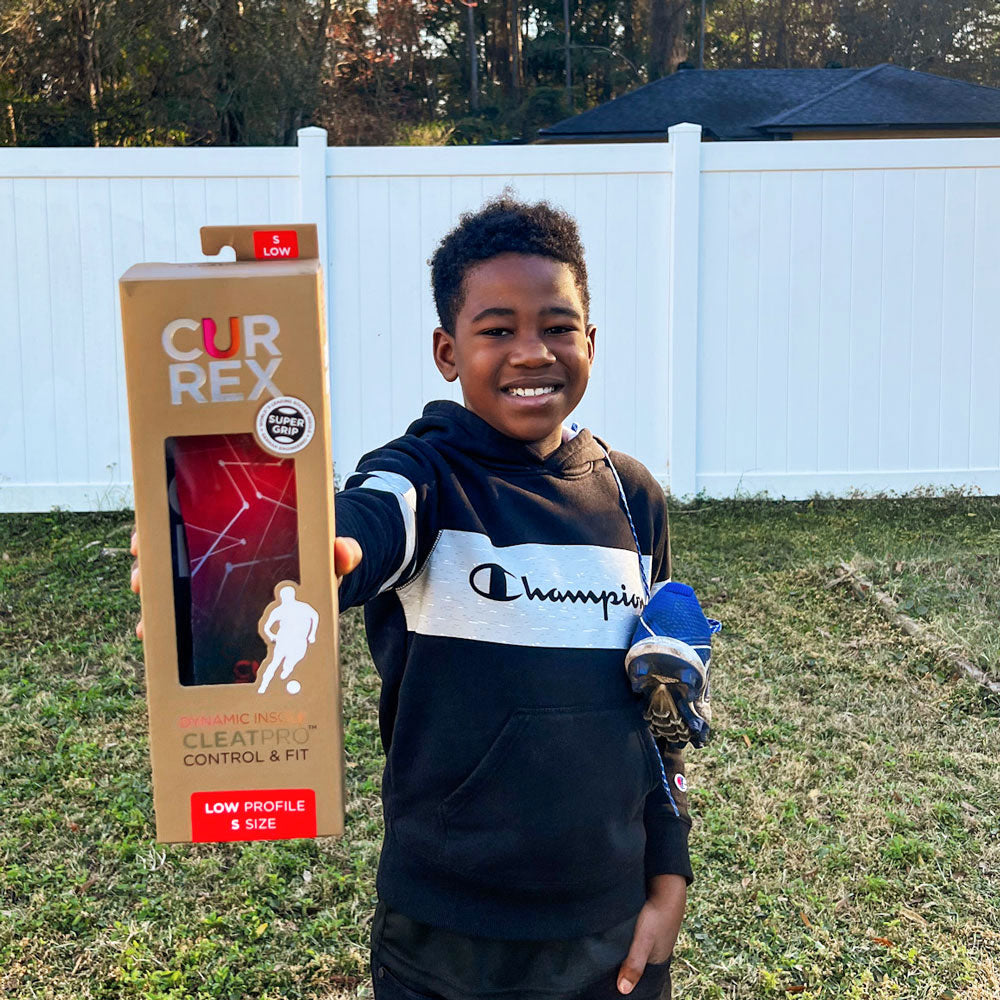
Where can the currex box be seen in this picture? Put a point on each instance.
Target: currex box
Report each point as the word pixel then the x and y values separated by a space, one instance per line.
pixel 226 365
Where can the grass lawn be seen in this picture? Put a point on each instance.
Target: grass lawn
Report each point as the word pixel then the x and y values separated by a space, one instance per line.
pixel 847 838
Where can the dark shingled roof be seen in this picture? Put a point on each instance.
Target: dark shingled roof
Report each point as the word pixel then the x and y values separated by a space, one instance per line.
pixel 756 103
pixel 887 95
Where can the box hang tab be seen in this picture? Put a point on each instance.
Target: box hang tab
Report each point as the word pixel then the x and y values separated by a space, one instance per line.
pixel 292 241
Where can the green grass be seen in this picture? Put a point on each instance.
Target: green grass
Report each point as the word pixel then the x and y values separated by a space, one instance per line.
pixel 847 838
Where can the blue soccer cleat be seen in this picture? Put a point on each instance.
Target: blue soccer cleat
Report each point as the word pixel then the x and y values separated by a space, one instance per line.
pixel 668 663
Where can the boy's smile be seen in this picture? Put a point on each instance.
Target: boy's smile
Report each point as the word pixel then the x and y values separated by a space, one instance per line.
pixel 522 348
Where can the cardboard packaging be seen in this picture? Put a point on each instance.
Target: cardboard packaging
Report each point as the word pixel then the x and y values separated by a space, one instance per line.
pixel 226 365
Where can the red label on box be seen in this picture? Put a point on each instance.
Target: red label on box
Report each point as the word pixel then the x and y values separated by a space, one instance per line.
pixel 275 244
pixel 271 814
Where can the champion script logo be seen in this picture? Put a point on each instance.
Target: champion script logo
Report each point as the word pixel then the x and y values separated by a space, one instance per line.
pixel 492 581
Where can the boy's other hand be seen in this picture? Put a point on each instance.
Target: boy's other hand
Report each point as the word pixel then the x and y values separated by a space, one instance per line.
pixel 134 582
pixel 656 928
pixel 346 557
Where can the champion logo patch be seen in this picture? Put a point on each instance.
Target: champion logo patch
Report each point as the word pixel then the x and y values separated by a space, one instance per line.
pixel 681 782
pixel 492 581
pixel 530 594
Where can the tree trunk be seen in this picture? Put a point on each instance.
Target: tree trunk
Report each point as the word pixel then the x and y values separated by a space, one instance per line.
pixel 470 10
pixel 748 26
pixel 666 36
pixel 780 50
pixel 502 50
pixel 629 47
pixel 85 16
pixel 230 117
pixel 507 69
pixel 316 56
pixel 568 55
pixel 514 34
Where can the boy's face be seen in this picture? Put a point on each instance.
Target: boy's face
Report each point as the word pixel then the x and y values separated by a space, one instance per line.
pixel 522 348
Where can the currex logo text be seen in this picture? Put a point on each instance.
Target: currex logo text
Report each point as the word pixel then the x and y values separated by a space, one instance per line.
pixel 224 379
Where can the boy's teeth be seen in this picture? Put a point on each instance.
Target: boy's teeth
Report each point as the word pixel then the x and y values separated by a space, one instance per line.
pixel 540 391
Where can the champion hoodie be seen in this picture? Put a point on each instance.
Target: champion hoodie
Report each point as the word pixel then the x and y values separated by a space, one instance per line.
pixel 524 796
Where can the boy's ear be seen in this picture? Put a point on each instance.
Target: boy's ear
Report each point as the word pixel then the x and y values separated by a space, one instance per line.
pixel 591 342
pixel 444 354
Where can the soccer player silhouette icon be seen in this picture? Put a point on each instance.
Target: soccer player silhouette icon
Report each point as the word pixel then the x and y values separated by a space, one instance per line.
pixel 289 628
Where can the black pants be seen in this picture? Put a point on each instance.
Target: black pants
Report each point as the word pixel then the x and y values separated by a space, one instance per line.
pixel 654 985
pixel 494 962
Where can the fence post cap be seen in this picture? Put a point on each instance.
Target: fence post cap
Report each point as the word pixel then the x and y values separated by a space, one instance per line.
pixel 684 128
pixel 312 132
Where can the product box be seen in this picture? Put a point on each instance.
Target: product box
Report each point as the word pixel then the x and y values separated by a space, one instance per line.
pixel 226 365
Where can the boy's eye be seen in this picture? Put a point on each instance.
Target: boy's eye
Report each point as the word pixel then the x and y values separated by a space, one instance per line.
pixel 560 329
pixel 494 331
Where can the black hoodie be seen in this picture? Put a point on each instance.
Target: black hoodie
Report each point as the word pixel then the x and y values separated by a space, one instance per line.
pixel 524 797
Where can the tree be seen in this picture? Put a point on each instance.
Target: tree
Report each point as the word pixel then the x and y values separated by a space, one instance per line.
pixel 233 72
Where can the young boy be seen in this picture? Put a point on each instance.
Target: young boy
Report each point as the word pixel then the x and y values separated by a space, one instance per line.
pixel 535 835
pixel 534 845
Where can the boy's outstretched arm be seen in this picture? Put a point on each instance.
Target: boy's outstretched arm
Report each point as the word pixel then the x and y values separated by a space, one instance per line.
pixel 387 506
pixel 656 929
pixel 372 521
pixel 346 558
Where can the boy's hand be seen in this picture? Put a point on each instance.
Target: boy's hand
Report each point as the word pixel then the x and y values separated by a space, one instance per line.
pixel 656 928
pixel 134 582
pixel 346 557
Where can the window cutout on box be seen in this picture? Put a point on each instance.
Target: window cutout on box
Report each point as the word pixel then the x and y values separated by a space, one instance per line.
pixel 233 537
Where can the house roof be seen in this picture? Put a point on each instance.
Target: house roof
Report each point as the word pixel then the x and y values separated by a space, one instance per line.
pixel 756 103
pixel 887 95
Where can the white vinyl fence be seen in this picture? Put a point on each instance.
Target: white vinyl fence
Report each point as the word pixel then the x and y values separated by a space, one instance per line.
pixel 780 316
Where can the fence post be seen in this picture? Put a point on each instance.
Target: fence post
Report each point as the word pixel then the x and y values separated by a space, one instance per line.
pixel 312 184
pixel 682 334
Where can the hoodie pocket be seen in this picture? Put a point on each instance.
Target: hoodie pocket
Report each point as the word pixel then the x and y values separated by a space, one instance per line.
pixel 556 803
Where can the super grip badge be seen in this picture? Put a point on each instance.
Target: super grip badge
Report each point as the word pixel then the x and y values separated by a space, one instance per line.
pixel 285 425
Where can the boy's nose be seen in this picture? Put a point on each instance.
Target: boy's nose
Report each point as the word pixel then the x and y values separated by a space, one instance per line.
pixel 531 351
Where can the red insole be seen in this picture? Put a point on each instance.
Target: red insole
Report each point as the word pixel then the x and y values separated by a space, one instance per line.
pixel 238 508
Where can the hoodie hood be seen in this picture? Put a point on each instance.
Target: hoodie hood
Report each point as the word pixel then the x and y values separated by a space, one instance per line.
pixel 450 426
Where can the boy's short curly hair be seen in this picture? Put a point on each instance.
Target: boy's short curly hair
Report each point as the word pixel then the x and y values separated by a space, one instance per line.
pixel 503 225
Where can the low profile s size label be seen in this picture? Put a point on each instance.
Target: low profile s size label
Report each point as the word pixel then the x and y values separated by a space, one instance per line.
pixel 266 814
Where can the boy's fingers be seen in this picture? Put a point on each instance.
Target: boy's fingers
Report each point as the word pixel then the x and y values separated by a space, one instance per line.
pixel 643 939
pixel 134 581
pixel 634 965
pixel 134 584
pixel 346 556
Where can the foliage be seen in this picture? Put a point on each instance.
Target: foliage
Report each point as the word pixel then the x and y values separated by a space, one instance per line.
pixel 238 72
pixel 846 840
pixel 952 38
